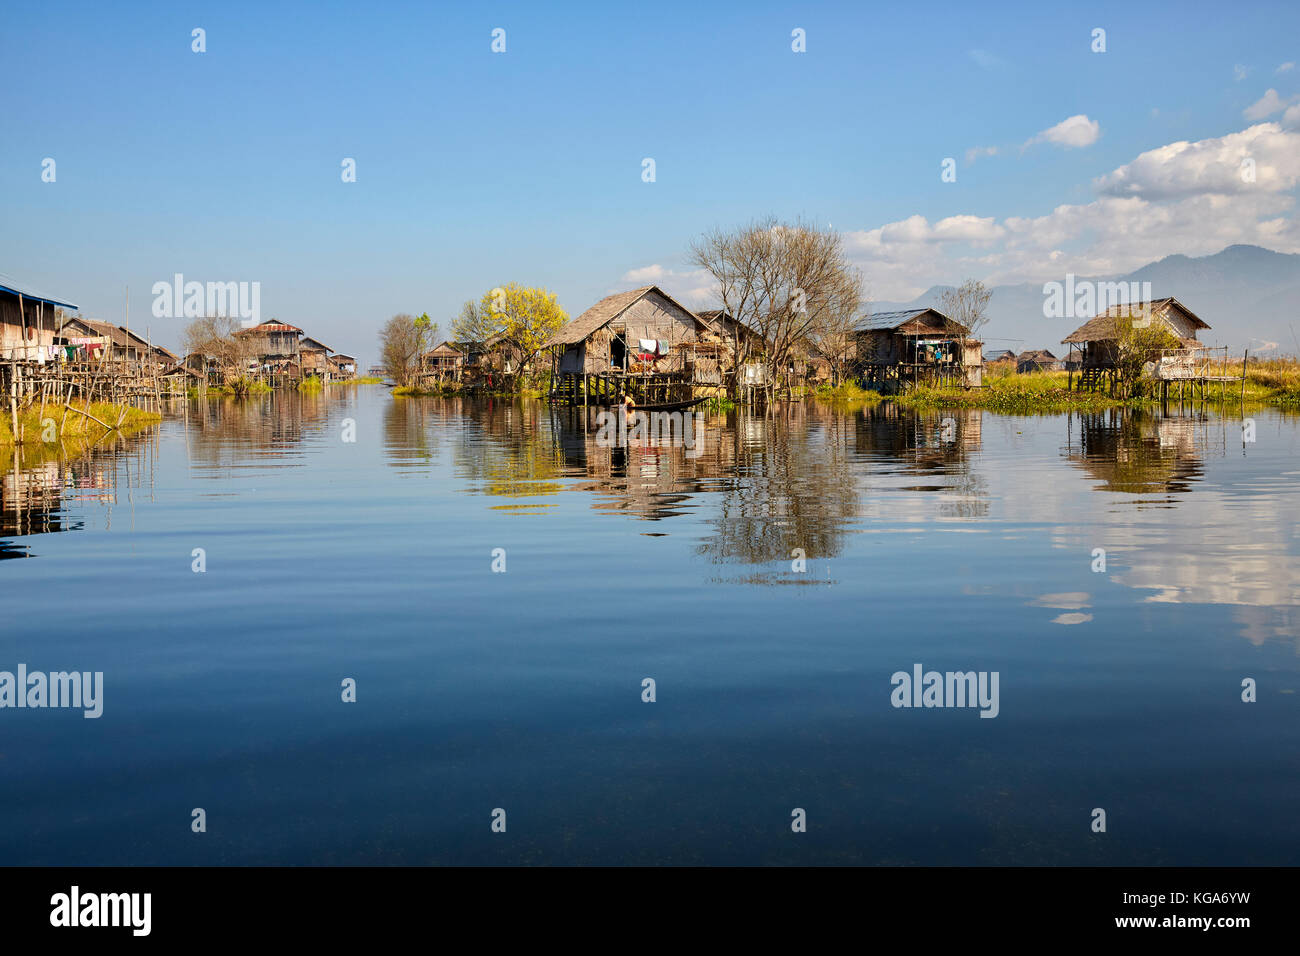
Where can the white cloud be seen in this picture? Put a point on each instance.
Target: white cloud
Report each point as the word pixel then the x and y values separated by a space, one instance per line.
pixel 651 274
pixel 1184 197
pixel 986 60
pixel 1266 105
pixel 694 288
pixel 1210 166
pixel 1286 67
pixel 1239 72
pixel 975 152
pixel 1072 133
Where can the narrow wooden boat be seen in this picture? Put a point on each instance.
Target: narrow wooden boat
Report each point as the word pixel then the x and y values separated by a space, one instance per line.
pixel 669 406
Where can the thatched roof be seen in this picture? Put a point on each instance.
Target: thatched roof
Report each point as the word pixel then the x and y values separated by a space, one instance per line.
pixel 118 336
pixel 446 348
pixel 308 344
pixel 1101 328
pixel 1037 355
pixel 606 311
pixel 912 322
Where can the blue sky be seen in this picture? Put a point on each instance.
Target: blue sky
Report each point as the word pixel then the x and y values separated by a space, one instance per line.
pixel 475 168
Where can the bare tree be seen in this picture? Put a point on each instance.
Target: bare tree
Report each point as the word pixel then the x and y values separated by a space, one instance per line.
pixel 783 281
pixel 834 334
pixel 968 305
pixel 402 342
pixel 216 338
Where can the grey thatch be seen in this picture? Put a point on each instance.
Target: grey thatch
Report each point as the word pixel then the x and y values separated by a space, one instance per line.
pixel 1102 328
pixel 605 311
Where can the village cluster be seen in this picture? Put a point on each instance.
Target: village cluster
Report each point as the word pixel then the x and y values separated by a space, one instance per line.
pixel 641 347
pixel 46 342
pixel 646 344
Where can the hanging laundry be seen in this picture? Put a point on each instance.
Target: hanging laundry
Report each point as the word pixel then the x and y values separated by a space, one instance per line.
pixel 663 346
pixel 647 345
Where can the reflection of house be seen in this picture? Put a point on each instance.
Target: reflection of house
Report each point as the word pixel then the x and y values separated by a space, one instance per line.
pixel 27 322
pixel 915 346
pixel 1138 453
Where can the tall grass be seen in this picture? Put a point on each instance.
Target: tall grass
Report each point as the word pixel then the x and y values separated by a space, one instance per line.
pixel 35 428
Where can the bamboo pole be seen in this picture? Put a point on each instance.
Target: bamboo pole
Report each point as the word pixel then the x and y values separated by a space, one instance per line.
pixel 92 417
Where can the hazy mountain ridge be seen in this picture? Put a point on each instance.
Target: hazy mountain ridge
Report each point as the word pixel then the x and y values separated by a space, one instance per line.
pixel 1248 294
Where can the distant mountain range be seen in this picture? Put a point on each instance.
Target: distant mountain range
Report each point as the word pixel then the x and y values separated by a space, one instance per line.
pixel 1249 295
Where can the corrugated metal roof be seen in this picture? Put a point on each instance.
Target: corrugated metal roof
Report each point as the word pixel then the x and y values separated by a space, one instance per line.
pixel 269 326
pixel 925 321
pixel 15 287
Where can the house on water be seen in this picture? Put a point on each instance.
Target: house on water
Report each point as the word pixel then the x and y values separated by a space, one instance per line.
pixel 1097 343
pixel 1038 360
pixel 444 361
pixel 313 358
pixel 28 323
pixel 273 343
pixel 345 366
pixel 914 346
pixel 642 340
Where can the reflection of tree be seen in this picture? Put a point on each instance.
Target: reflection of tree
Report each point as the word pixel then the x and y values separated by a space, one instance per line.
pixel 790 487
pixel 934 444
pixel 503 448
pixel 511 452
pixel 772 482
pixel 408 429
pixel 222 431
pixel 1138 452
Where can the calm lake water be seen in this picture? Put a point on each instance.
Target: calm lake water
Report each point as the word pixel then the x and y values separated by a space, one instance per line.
pixel 959 545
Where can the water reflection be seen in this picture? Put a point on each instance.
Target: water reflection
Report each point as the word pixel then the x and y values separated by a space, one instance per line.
pixel 1139 452
pixel 1184 518
pixel 42 484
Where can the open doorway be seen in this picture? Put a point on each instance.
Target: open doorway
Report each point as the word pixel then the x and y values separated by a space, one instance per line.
pixel 618 353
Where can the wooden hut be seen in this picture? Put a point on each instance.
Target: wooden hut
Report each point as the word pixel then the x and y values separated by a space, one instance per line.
pixel 442 362
pixel 643 338
pixel 272 340
pixel 1038 360
pixel 104 340
pixel 28 323
pixel 913 346
pixel 313 357
pixel 345 366
pixel 1097 342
